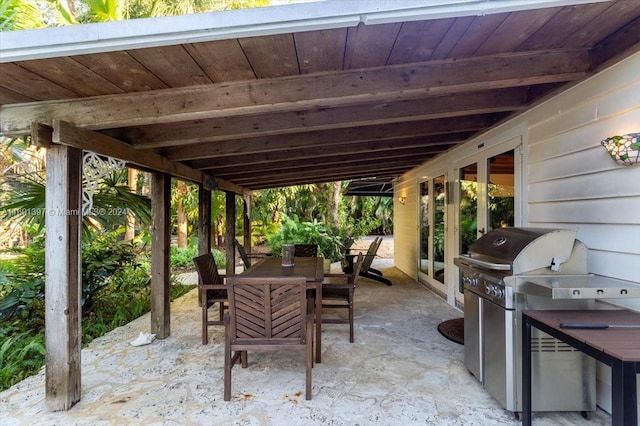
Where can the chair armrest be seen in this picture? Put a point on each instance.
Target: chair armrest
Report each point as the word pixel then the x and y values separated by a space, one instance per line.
pixel 338 285
pixel 213 287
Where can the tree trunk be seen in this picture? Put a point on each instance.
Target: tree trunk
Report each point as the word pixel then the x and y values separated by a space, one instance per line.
pixel 333 204
pixel 182 215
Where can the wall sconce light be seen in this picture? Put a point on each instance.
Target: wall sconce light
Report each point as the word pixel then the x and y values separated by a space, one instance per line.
pixel 402 199
pixel 625 149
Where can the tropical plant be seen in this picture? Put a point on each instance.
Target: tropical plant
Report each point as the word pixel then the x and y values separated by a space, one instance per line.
pixel 20 15
pixel 294 231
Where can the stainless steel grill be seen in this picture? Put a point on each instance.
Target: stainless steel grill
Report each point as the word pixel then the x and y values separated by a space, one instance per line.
pixel 509 270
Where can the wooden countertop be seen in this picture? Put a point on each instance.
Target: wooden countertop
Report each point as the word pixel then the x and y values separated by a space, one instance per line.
pixel 620 343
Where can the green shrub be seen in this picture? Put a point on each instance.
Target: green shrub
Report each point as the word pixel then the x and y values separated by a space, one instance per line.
pixel 292 231
pixel 182 257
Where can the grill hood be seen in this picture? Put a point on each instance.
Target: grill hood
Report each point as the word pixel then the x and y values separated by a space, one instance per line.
pixel 525 250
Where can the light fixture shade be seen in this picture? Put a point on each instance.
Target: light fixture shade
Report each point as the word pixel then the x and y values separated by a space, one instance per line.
pixel 625 149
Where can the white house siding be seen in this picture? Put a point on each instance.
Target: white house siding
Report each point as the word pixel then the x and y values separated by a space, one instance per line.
pixel 568 178
pixel 405 227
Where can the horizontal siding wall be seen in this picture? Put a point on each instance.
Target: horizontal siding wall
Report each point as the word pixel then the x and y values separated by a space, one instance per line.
pixel 405 225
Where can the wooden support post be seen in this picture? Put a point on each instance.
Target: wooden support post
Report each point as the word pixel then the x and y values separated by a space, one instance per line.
pixel 204 225
pixel 160 250
pixel 230 222
pixel 247 225
pixel 204 220
pixel 63 268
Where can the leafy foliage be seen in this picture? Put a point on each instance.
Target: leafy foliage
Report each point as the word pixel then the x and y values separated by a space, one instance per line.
pixel 293 231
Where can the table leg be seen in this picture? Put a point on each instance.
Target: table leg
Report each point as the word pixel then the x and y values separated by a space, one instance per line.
pixel 526 371
pixel 624 403
pixel 319 323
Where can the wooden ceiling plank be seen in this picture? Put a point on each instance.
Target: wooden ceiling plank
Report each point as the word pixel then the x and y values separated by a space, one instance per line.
pixel 67 134
pixel 8 96
pixel 369 45
pixel 616 15
pixel 515 29
pixel 553 34
pixel 621 43
pixel 29 84
pixel 120 69
pixel 172 65
pixel 341 136
pixel 320 51
pixel 457 30
pixel 417 40
pixel 280 123
pixel 306 92
pixel 271 56
pixel 222 60
pixel 66 72
pixel 476 34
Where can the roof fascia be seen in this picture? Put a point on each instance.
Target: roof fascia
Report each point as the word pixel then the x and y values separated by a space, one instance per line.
pixel 162 31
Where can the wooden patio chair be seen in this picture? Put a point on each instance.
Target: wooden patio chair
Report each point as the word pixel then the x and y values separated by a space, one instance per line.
pixel 306 250
pixel 212 290
pixel 337 293
pixel 267 314
pixel 246 257
pixel 366 270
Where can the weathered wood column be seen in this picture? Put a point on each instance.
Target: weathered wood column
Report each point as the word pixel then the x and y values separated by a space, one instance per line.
pixel 204 220
pixel 230 235
pixel 204 225
pixel 246 224
pixel 63 282
pixel 160 250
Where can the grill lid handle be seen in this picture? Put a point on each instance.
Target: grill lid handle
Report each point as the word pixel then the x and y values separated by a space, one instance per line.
pixel 483 263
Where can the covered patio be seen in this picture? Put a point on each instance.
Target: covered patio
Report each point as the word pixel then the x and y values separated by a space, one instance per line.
pixel 399 371
pixel 238 102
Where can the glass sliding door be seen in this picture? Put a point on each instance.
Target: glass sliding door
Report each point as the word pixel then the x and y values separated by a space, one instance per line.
pixel 439 209
pixel 433 205
pixel 424 228
pixel 468 206
pixel 501 190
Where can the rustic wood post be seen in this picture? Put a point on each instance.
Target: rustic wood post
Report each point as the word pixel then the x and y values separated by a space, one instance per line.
pixel 230 235
pixel 160 250
pixel 63 282
pixel 247 224
pixel 204 225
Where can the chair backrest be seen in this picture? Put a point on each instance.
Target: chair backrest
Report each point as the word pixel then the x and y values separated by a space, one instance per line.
pixel 306 250
pixel 267 311
pixel 371 253
pixel 356 269
pixel 207 269
pixel 243 254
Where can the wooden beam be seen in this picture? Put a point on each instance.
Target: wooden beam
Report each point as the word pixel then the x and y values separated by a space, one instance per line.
pixel 67 134
pixel 41 135
pixel 327 138
pixel 63 276
pixel 321 153
pixel 160 251
pixel 230 234
pixel 324 119
pixel 309 91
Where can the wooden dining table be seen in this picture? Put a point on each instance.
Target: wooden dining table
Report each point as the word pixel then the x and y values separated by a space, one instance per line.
pixel 312 268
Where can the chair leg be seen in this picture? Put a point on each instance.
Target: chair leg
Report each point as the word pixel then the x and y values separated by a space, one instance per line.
pixel 205 319
pixel 351 338
pixel 309 361
pixel 228 364
pixel 221 310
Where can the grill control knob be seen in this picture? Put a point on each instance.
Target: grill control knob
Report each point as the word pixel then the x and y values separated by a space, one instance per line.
pixel 499 292
pixel 473 282
pixel 490 290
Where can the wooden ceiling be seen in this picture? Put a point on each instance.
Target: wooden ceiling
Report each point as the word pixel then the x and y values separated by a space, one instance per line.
pixel 319 106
